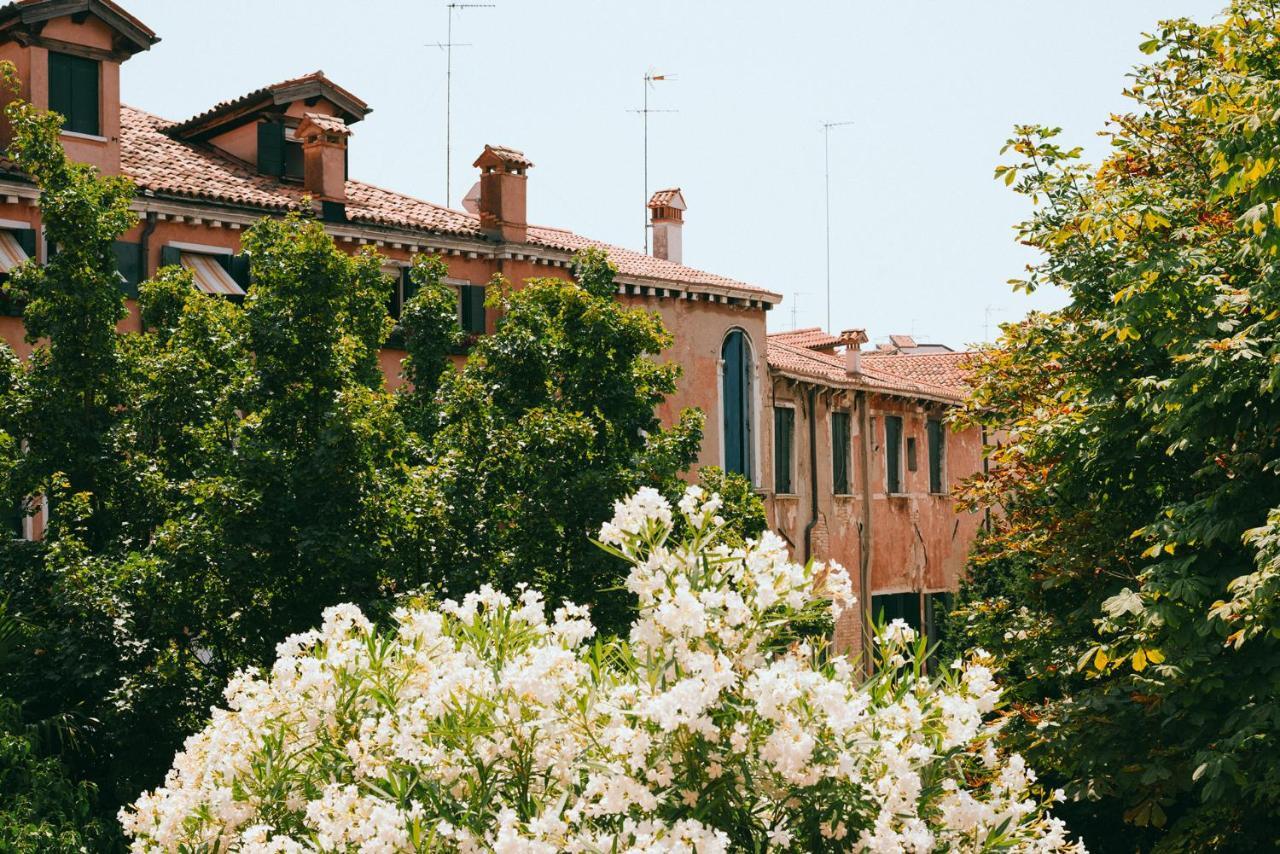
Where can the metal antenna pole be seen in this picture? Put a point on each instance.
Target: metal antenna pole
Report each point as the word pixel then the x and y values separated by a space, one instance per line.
pixel 826 162
pixel 448 46
pixel 795 308
pixel 649 77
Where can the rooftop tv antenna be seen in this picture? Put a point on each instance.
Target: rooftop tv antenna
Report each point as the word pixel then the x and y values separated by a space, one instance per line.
pixel 447 46
pixel 826 161
pixel 649 78
pixel 795 308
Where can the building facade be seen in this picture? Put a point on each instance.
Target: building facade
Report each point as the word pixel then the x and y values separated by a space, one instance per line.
pixel 281 148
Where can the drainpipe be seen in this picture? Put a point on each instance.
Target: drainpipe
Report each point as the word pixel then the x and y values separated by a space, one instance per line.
pixel 865 540
pixel 813 474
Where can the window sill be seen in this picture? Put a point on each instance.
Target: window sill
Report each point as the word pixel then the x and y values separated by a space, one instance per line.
pixel 790 496
pixel 843 495
pixel 92 137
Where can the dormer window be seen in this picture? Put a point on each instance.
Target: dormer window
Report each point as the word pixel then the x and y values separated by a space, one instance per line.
pixel 74 91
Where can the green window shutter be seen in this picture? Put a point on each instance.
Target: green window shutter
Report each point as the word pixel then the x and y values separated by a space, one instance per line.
pixel 169 256
pixel 840 453
pixel 60 85
pixel 736 408
pixel 784 431
pixel 408 287
pixel 294 167
pixel 893 453
pixel 85 97
pixel 75 92
pixel 129 264
pixel 395 299
pixel 271 148
pixel 937 447
pixel 473 319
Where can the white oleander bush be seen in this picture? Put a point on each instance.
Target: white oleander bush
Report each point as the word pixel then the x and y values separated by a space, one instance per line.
pixel 483 726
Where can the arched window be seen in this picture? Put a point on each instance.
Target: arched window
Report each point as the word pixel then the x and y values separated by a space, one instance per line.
pixel 736 402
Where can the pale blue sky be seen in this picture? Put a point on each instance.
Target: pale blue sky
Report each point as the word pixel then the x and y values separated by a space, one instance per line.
pixel 922 238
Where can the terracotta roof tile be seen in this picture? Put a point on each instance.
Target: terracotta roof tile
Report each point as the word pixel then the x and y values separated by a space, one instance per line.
pixel 506 155
pixel 327 124
pixel 811 337
pixel 663 198
pixel 949 370
pixel 164 165
pixel 830 368
pixel 317 80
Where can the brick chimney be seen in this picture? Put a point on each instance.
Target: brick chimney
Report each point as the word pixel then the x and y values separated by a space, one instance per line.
pixel 853 339
pixel 666 212
pixel 502 206
pixel 324 156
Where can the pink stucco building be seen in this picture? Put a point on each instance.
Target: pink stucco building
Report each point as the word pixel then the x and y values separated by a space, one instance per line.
pixel 283 147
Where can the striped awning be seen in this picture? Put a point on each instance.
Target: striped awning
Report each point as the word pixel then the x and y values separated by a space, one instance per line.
pixel 210 276
pixel 11 254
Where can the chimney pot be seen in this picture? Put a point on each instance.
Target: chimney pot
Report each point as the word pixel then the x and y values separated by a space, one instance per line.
pixel 666 212
pixel 853 360
pixel 324 156
pixel 503 202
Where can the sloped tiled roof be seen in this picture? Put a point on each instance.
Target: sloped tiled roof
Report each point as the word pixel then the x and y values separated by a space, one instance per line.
pixel 874 376
pixel 811 337
pixel 308 85
pixel 504 154
pixel 942 369
pixel 327 124
pixel 35 12
pixel 158 162
pixel 664 198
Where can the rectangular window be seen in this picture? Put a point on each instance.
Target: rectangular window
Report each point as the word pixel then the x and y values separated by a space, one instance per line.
pixel 937 451
pixel 472 309
pixel 74 92
pixel 840 453
pixel 211 273
pixel 784 432
pixel 893 453
pixel 897 606
pixel 911 453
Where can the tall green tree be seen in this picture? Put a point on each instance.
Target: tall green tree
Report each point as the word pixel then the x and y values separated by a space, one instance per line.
pixel 1133 577
pixel 551 414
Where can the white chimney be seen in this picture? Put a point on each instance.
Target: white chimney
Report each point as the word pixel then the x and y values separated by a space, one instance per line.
pixel 666 211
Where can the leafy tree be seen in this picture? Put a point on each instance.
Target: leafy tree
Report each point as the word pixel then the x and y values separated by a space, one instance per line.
pixel 41 807
pixel 1143 437
pixel 551 413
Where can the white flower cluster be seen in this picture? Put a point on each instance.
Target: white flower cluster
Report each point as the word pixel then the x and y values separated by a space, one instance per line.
pixel 483 726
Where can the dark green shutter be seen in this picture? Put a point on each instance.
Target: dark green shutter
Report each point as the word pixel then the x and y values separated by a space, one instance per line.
pixel 784 430
pixel 271 148
pixel 473 320
pixel 395 300
pixel 170 255
pixel 408 287
pixel 60 85
pixel 893 453
pixel 840 453
pixel 736 388
pixel 75 92
pixel 936 447
pixel 129 264
pixel 85 97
